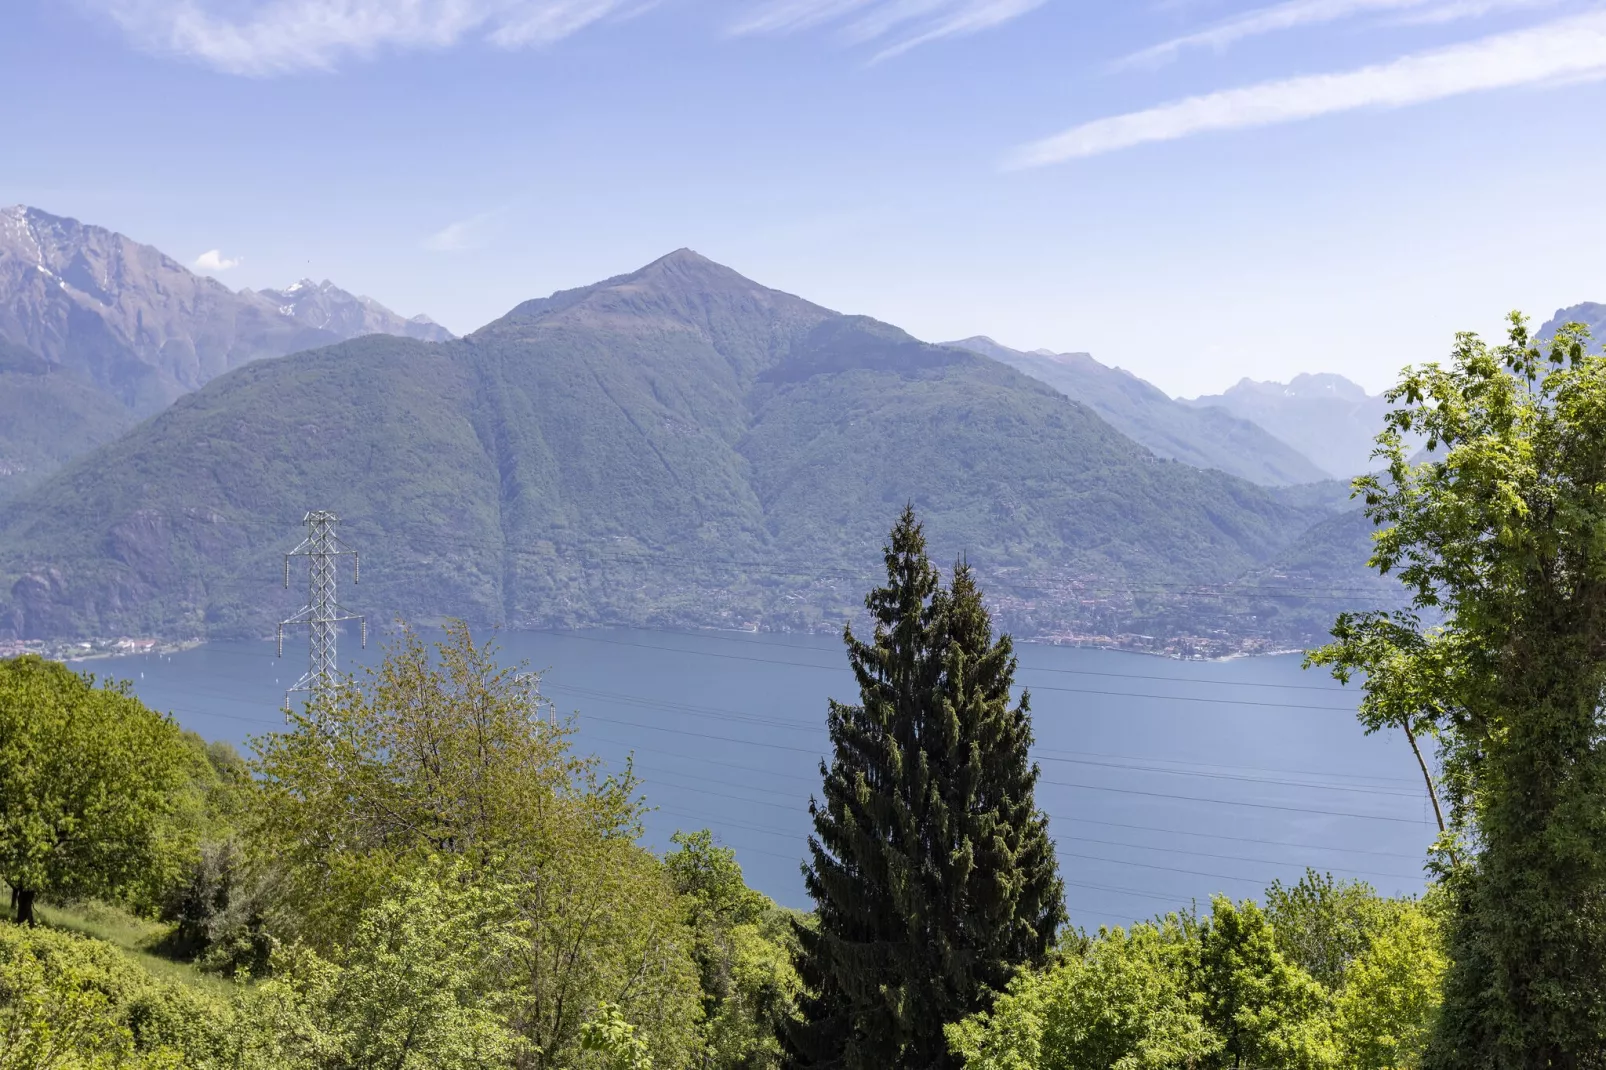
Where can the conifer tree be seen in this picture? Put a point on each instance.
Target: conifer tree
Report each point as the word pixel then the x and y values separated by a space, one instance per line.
pixel 932 871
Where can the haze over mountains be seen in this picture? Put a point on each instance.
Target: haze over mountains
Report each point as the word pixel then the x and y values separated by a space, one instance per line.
pixel 325 306
pixel 675 446
pixel 1327 418
pixel 1206 437
pixel 1590 313
pixel 124 330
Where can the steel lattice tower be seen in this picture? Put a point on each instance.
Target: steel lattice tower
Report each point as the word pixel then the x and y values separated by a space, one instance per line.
pixel 323 612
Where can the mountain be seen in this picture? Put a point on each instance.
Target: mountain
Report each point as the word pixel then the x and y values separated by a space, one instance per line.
pixel 1202 437
pixel 1591 314
pixel 1325 417
pixel 123 321
pixel 676 446
pixel 132 320
pixel 325 306
pixel 47 417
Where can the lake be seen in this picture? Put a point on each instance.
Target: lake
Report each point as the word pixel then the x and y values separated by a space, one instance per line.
pixel 1164 780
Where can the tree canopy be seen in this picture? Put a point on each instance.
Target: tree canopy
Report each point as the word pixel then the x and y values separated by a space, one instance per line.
pixel 931 867
pixel 1499 533
pixel 89 780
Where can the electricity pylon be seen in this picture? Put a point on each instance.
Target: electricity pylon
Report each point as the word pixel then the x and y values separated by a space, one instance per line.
pixel 323 612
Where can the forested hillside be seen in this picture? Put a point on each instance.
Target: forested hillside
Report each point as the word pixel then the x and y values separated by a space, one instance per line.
pixel 675 446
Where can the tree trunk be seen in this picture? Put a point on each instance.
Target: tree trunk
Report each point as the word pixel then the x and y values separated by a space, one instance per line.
pixel 1433 795
pixel 24 906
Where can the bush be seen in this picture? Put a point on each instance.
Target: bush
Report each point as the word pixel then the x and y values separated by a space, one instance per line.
pixel 220 915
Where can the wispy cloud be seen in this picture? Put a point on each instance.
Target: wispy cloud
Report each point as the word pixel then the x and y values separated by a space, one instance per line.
pixel 896 26
pixel 461 235
pixel 214 260
pixel 1565 49
pixel 1293 14
pixel 265 37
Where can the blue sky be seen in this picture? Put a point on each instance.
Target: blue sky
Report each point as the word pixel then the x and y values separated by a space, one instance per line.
pixel 1196 190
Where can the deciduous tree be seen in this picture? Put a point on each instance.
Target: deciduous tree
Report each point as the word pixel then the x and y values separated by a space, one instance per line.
pixel 1500 532
pixel 89 779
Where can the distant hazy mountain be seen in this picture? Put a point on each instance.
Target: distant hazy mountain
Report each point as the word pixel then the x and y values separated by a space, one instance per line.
pixel 326 306
pixel 676 446
pixel 1591 314
pixel 1202 437
pixel 122 320
pixel 1325 417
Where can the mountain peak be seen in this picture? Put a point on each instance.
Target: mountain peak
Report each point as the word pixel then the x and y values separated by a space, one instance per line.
pixel 686 267
pixel 325 306
pixel 678 287
pixel 681 256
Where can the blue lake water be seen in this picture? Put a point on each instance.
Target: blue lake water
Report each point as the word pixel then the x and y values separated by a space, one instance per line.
pixel 1164 780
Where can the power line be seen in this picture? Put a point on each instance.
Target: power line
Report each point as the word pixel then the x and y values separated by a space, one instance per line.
pixel 1058 783
pixel 1039 687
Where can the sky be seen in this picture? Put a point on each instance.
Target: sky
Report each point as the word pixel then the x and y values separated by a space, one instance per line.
pixel 1194 190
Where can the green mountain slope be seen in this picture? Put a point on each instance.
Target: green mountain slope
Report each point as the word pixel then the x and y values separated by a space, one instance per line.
pixel 1203 437
pixel 48 415
pixel 675 446
pixel 116 318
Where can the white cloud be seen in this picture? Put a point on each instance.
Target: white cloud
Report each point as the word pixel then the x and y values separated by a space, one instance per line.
pixel 265 37
pixel 1293 14
pixel 896 25
pixel 214 260
pixel 1566 49
pixel 459 236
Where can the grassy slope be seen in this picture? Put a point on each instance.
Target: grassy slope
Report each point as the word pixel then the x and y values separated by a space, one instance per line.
pixel 135 937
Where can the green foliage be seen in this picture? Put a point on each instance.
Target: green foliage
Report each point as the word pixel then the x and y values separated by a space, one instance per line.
pixel 222 914
pixel 1183 993
pixel 932 872
pixel 1119 1003
pixel 72 1003
pixel 1387 1009
pixel 89 788
pixel 415 989
pixel 612 1041
pixel 438 753
pixel 1266 1010
pixel 1322 924
pixel 743 950
pixel 1499 533
pixel 444 759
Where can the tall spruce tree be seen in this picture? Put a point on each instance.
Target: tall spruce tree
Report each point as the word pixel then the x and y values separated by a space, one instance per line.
pixel 932 870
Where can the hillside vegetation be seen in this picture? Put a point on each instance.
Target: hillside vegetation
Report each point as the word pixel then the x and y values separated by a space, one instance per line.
pixel 675 446
pixel 120 330
pixel 48 416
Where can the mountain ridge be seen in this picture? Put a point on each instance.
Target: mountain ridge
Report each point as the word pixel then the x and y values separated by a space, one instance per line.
pixel 125 320
pixel 675 446
pixel 1203 437
pixel 325 306
pixel 1328 418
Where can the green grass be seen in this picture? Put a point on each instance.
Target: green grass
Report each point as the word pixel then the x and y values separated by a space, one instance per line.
pixel 135 936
